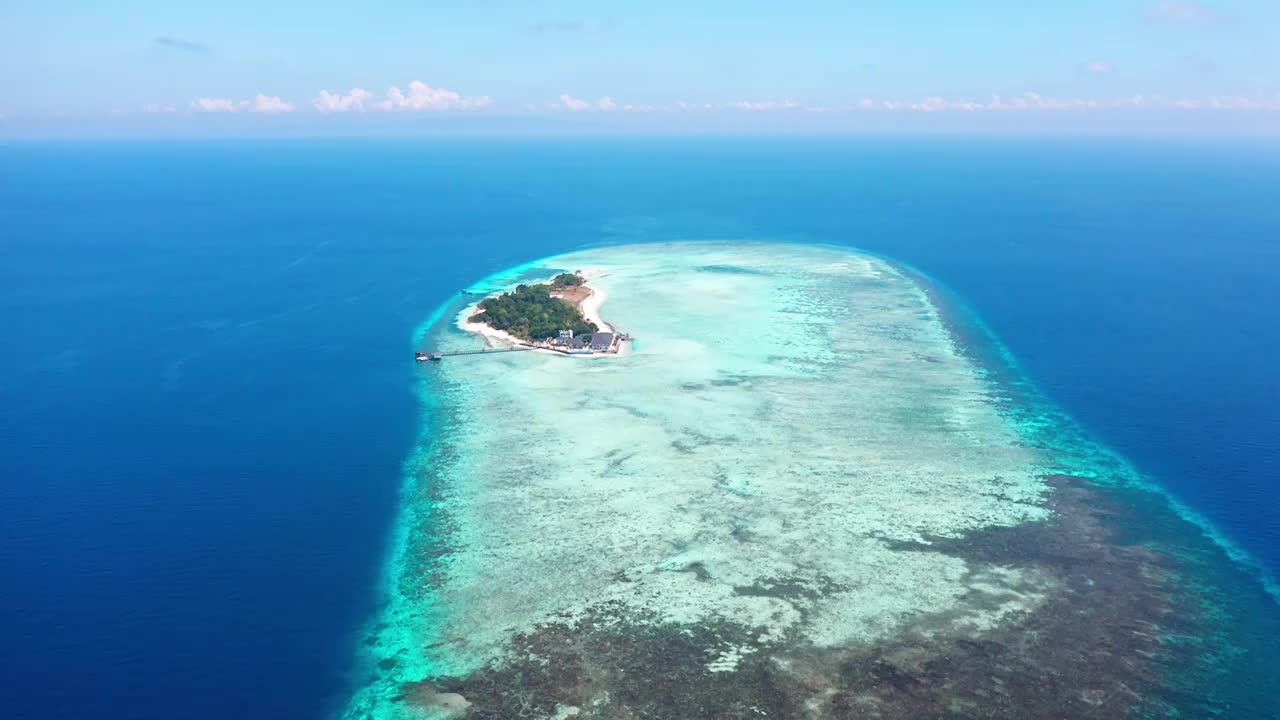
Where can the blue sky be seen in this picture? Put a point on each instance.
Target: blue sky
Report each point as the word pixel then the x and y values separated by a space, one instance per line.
pixel 143 66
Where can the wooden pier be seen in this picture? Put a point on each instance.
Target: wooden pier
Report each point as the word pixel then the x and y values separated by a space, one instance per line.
pixel 433 355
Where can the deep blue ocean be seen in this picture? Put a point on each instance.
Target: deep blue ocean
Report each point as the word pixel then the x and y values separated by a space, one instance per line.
pixel 207 375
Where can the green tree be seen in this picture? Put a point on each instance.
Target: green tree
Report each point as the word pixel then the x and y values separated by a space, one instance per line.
pixel 530 313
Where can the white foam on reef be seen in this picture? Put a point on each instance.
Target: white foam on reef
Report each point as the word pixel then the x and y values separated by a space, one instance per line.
pixel 788 414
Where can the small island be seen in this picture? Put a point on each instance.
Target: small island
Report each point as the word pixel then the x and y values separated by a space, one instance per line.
pixel 559 316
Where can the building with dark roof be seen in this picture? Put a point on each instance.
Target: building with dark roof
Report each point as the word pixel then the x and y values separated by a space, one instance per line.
pixel 598 342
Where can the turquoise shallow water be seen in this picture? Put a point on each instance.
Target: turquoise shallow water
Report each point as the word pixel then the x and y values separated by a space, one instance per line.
pixel 795 454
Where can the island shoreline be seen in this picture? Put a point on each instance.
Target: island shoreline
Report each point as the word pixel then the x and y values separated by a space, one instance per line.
pixel 589 306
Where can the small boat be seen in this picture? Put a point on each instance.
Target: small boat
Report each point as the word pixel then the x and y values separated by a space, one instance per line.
pixel 421 356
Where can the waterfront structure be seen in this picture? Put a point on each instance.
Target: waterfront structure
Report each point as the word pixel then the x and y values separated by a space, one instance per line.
pixel 585 343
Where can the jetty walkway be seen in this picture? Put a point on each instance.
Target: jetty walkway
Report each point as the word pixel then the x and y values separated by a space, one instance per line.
pixel 436 355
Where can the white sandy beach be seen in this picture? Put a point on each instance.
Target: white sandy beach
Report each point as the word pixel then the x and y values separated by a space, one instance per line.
pixel 492 336
pixel 591 305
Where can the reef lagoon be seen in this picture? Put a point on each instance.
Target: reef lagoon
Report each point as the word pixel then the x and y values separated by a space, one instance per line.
pixel 816 488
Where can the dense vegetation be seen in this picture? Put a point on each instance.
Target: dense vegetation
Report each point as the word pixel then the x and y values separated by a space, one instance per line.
pixel 530 313
pixel 565 280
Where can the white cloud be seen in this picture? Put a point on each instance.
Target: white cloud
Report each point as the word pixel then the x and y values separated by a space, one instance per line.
pixel 1243 103
pixel 761 105
pixel 270 105
pixel 205 104
pixel 158 108
pixel 1182 12
pixel 606 103
pixel 1215 102
pixel 1098 67
pixel 261 104
pixel 1024 102
pixel 574 104
pixel 1033 102
pixel 421 97
pixel 327 102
